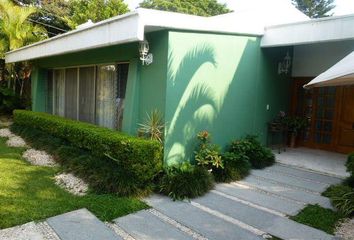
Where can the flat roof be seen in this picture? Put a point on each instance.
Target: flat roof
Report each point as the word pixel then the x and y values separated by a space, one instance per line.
pixel 131 27
pixel 326 29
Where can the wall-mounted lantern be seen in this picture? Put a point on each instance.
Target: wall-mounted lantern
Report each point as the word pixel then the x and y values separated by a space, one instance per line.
pixel 146 57
pixel 284 66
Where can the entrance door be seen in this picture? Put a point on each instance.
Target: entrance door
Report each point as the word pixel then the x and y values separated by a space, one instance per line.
pixel 330 114
pixel 345 137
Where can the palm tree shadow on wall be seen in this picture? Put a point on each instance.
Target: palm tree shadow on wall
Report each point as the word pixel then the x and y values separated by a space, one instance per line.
pixel 183 119
pixel 228 114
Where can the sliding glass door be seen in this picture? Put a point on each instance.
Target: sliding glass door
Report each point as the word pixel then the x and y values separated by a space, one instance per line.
pixel 87 94
pixel 93 94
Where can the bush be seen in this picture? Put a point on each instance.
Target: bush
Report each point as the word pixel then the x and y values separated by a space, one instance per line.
pixel 186 181
pixel 207 154
pixel 342 197
pixel 259 156
pixel 9 101
pixel 110 154
pixel 236 167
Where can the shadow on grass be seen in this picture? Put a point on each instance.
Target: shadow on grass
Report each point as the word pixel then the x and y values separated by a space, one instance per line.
pixel 28 193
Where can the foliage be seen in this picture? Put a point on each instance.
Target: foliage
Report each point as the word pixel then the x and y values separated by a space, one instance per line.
pixel 236 167
pixel 15 29
pixel 315 8
pixel 200 8
pixel 153 127
pixel 295 124
pixel 186 181
pixel 37 196
pixel 50 14
pixel 9 101
pixel 342 197
pixel 318 217
pixel 207 154
pixel 96 10
pixel 258 155
pixel 350 168
pixel 128 157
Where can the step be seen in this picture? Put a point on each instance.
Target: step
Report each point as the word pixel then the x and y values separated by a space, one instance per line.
pixel 80 225
pixel 210 226
pixel 290 180
pixel 305 174
pixel 281 227
pixel 144 225
pixel 286 191
pixel 274 202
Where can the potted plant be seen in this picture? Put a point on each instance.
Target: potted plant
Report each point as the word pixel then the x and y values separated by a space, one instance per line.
pixel 295 125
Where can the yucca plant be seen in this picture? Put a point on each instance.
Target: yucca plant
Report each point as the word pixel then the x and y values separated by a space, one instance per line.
pixel 153 126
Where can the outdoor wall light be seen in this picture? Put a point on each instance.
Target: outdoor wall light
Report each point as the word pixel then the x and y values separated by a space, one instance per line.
pixel 284 66
pixel 146 57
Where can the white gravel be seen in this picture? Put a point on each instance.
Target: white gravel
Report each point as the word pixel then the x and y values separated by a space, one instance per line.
pixel 345 229
pixel 40 158
pixel 16 141
pixel 5 132
pixel 72 184
pixel 29 231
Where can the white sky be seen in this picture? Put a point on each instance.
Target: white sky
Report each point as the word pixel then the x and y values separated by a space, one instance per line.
pixel 343 7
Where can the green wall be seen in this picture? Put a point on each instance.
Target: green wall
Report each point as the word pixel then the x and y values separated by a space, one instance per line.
pixel 145 87
pixel 220 83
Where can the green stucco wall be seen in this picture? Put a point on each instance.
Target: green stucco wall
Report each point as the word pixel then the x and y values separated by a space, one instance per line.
pixel 145 87
pixel 220 83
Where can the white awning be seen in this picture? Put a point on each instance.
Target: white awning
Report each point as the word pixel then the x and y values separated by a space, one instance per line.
pixel 342 73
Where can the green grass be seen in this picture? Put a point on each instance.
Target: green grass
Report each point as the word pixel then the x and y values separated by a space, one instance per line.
pixel 28 193
pixel 318 217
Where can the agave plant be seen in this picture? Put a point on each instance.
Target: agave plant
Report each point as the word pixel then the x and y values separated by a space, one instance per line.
pixel 153 126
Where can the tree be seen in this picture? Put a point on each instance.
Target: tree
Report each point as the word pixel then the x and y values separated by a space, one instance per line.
pixel 15 32
pixel 315 8
pixel 50 14
pixel 96 10
pixel 200 7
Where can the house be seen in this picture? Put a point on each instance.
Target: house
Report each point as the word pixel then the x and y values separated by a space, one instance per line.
pixel 229 74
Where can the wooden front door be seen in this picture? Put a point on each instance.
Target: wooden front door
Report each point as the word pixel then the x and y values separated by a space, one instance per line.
pixel 330 113
pixel 345 136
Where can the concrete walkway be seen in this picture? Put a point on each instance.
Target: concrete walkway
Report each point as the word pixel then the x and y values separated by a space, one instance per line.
pixel 314 159
pixel 254 208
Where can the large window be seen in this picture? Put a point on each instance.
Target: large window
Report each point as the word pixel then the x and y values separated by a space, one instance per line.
pixel 93 94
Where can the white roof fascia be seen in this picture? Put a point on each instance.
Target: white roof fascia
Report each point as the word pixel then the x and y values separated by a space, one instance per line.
pixel 313 31
pixel 126 28
pixel 121 29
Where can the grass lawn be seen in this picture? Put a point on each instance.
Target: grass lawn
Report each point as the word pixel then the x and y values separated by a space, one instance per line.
pixel 318 217
pixel 28 193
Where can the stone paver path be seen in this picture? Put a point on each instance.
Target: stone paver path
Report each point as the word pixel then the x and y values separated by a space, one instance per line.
pixel 254 208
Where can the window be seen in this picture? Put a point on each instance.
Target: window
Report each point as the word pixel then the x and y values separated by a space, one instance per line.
pixel 93 94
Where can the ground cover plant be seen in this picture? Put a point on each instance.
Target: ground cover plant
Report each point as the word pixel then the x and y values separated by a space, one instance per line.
pixel 110 161
pixel 28 193
pixel 318 217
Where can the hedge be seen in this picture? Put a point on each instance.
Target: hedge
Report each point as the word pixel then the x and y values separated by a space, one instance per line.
pixel 138 158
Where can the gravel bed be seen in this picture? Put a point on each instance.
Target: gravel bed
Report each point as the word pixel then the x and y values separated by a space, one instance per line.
pixel 16 141
pixel 40 158
pixel 72 184
pixel 345 229
pixel 29 231
pixel 5 132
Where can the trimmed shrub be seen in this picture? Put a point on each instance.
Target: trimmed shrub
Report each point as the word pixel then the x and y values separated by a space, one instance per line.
pixel 258 155
pixel 110 154
pixel 186 181
pixel 236 167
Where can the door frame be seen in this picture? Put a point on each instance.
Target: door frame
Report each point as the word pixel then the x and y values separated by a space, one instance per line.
pixel 333 146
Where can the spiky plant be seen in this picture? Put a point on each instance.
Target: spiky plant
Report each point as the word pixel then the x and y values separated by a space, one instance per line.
pixel 153 126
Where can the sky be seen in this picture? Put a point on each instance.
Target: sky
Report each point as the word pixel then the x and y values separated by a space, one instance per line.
pixel 343 7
